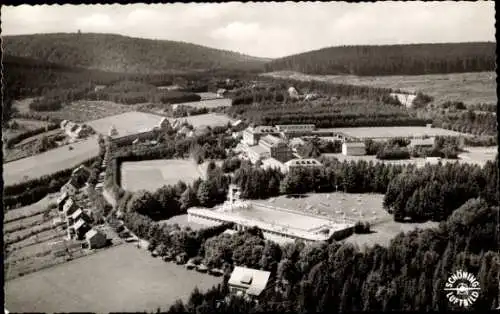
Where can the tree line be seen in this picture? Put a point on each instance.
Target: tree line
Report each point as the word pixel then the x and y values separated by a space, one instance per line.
pixel 13 140
pixel 414 59
pixel 434 191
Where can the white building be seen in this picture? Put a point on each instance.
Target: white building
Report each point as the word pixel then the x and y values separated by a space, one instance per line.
pixel 248 282
pixel 69 188
pixel 353 149
pixel 293 93
pixel 302 163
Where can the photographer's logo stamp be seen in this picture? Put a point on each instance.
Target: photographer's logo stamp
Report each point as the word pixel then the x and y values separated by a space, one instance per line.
pixel 462 288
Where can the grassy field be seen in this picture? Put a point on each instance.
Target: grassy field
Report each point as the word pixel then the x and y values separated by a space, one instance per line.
pixel 50 161
pixel 182 221
pixel 207 95
pixel 24 148
pixel 33 209
pixel 153 174
pixel 209 119
pixel 118 279
pixel 127 123
pixel 469 88
pixel 362 207
pixel 209 103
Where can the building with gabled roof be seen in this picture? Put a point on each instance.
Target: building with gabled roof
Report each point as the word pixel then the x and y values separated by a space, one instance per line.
pixel 78 229
pixel 61 200
pixel 252 135
pixel 248 282
pixel 95 239
pixel 353 148
pixel 69 207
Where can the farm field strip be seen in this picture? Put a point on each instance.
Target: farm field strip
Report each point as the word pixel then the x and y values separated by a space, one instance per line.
pixel 10 227
pixel 33 209
pixel 145 283
pixel 51 161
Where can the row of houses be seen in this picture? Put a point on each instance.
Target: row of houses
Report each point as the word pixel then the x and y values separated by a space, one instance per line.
pixel 77 220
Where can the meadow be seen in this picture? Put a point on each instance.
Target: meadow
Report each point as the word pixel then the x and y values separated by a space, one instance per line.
pixel 153 174
pixel 470 88
pixel 49 162
pixel 209 103
pixel 122 278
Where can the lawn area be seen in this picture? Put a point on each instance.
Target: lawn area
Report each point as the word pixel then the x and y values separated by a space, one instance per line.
pixel 118 279
pixel 128 123
pixel 209 103
pixel 364 207
pixel 182 221
pixel 469 88
pixel 153 174
pixel 209 119
pixel 49 162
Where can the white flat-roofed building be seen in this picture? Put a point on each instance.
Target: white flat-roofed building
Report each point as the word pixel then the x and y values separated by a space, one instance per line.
pixel 302 163
pixel 279 225
pixel 422 143
pixel 353 149
pixel 248 282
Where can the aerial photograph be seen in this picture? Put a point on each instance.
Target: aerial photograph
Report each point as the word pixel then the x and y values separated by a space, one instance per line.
pixel 256 157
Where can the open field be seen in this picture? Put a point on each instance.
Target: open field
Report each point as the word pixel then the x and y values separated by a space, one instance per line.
pixel 209 103
pixel 49 162
pixel 363 207
pixel 35 208
pixel 122 278
pixel 394 131
pixel 469 88
pixel 23 105
pixel 153 174
pixel 209 119
pixel 472 155
pixel 127 123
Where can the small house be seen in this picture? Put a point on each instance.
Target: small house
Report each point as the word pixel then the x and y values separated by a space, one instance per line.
pixel 80 228
pixel 293 93
pixel 61 200
pixel 69 207
pixel 69 188
pixel 221 92
pixel 95 239
pixel 70 219
pixel 248 282
pixel 353 149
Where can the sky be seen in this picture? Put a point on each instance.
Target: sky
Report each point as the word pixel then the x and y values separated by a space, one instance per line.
pixel 266 29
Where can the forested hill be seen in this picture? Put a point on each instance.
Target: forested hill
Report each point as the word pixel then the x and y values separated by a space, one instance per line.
pixel 413 59
pixel 118 53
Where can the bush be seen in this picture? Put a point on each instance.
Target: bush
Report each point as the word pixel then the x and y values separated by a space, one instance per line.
pixel 362 227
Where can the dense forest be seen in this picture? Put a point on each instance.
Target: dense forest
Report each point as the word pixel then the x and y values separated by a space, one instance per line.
pixel 412 59
pixel 328 114
pixel 117 53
